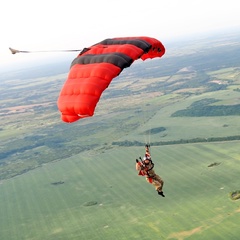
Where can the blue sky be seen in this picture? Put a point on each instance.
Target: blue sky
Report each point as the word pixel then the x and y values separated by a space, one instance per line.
pixel 75 24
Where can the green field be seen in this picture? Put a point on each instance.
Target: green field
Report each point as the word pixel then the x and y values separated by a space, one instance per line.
pixel 78 181
pixel 197 203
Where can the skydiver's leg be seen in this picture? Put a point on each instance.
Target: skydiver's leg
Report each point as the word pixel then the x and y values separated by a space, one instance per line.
pixel 158 183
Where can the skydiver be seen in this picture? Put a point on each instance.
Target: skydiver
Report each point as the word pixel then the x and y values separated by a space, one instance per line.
pixel 145 168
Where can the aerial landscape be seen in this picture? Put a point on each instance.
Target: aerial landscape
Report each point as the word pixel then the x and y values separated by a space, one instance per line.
pixel 78 180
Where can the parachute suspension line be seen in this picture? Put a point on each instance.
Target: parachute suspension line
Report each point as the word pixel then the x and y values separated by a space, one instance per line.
pixel 149 128
pixel 14 51
pixel 141 117
pixel 146 123
pixel 149 132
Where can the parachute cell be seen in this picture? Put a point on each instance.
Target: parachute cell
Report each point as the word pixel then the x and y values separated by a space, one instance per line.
pixel 95 67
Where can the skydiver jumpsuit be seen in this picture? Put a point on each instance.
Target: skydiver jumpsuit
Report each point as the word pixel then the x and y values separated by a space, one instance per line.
pixel 151 177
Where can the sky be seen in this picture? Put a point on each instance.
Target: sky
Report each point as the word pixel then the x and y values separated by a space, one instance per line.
pixel 74 24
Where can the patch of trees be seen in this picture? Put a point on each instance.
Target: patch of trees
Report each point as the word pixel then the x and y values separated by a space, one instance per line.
pixel 235 195
pixel 5 154
pixel 57 183
pixel 236 89
pixel 214 164
pixel 26 161
pixel 13 172
pixel 203 109
pixel 211 87
pixel 155 130
pixel 127 143
pixel 91 203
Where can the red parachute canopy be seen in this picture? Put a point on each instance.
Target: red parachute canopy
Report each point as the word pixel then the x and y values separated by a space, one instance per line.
pixel 95 67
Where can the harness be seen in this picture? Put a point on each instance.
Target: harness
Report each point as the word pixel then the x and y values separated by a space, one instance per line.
pixel 145 168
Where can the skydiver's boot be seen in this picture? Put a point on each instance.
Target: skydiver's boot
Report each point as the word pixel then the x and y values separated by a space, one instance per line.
pixel 161 193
